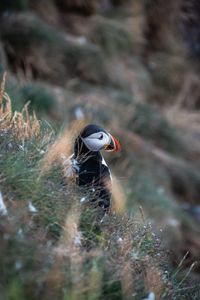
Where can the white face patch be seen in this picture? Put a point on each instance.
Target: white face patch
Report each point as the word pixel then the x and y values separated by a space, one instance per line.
pixel 97 141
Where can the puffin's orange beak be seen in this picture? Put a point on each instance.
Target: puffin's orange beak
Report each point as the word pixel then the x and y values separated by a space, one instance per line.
pixel 114 145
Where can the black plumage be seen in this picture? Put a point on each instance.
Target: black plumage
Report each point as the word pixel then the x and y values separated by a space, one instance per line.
pixel 93 174
pixel 91 169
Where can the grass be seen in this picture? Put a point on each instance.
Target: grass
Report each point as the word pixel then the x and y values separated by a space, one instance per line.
pixel 126 71
pixel 61 251
pixel 113 38
pixel 152 125
pixel 40 97
pixel 32 46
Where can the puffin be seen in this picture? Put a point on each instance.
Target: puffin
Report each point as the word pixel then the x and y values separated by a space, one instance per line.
pixel 92 172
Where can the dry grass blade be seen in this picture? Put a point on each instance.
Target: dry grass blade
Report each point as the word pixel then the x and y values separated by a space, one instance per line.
pixel 68 249
pixel 5 106
pixel 127 279
pixel 71 235
pixel 61 149
pixel 142 213
pixel 124 249
pixel 188 273
pixel 182 118
pixel 2 87
pixel 23 125
pixel 5 112
pixel 179 267
pixel 153 280
pixel 58 151
pixel 119 198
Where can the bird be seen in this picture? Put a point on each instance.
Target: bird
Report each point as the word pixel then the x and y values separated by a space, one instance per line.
pixel 90 168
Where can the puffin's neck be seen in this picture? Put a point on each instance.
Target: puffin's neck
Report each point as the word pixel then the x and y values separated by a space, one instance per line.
pixel 81 151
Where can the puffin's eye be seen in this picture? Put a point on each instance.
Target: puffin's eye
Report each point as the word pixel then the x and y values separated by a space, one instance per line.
pixel 101 136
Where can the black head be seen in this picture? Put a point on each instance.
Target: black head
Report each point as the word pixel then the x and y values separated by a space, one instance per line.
pixel 94 138
pixel 90 129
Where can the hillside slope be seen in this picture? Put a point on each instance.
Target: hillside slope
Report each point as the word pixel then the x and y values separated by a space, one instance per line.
pixel 131 66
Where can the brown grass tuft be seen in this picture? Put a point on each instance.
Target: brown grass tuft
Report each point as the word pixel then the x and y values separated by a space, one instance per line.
pixel 5 107
pixel 183 119
pixel 22 125
pixel 124 249
pixel 61 149
pixel 70 231
pixel 2 87
pixel 68 249
pixel 119 198
pixel 153 280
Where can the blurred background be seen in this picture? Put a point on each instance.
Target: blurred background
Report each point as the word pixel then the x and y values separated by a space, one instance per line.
pixel 132 66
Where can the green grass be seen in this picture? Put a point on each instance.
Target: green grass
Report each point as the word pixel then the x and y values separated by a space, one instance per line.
pixel 39 257
pixel 27 38
pixel 112 37
pixel 30 241
pixel 61 62
pixel 40 96
pixel 149 123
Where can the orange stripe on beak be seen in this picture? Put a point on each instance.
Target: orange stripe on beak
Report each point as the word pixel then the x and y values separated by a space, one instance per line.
pixel 114 145
pixel 117 144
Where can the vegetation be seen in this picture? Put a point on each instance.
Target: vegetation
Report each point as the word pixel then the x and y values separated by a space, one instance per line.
pixel 130 66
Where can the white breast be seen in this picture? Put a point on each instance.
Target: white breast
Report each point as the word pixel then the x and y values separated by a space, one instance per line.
pixel 104 162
